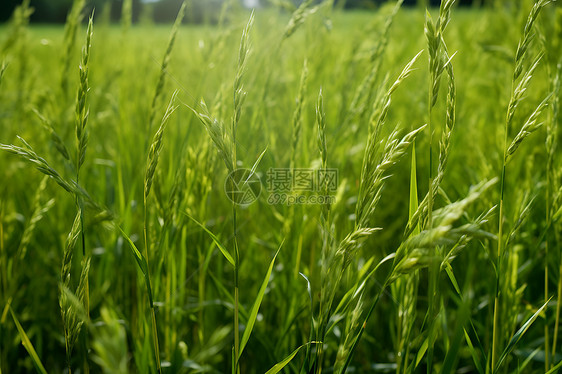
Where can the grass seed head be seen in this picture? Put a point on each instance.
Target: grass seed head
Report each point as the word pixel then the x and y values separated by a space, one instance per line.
pixel 156 146
pixel 82 111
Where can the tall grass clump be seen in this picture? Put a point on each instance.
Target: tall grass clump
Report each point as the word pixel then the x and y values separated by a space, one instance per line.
pixel 72 321
pixel 520 82
pixel 438 61
pixel 152 162
pixel 239 96
pixel 336 257
pixel 226 145
pixel 154 149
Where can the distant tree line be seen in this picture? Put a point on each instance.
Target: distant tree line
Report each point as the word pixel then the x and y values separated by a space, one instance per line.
pixel 55 11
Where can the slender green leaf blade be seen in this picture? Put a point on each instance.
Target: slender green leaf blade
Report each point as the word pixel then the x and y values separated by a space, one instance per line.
pixel 28 346
pixel 453 350
pixel 141 261
pixel 255 166
pixel 452 277
pixel 518 335
pixel 215 239
pixel 256 306
pixel 281 364
pixel 422 351
pixel 555 368
pixel 473 353
pixel 413 206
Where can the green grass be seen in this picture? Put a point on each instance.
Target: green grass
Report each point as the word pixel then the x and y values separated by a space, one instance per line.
pixel 121 252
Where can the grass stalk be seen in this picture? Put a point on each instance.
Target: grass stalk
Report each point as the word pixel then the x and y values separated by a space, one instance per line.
pixel 437 63
pixel 552 174
pixel 82 114
pixel 239 96
pixel 152 162
pixel 519 86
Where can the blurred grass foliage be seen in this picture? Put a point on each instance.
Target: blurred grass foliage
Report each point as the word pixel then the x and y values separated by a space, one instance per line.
pixel 362 300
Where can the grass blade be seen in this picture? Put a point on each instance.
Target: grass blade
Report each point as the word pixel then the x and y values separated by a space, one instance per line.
pixel 255 308
pixel 555 368
pixel 223 250
pixel 28 346
pixel 453 350
pixel 518 335
pixel 413 205
pixel 141 261
pixel 281 364
pixel 473 353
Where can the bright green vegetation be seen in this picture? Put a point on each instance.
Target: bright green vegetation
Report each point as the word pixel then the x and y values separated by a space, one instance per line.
pixel 120 251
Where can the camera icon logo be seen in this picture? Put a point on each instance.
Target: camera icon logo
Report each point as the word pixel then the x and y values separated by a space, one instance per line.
pixel 242 186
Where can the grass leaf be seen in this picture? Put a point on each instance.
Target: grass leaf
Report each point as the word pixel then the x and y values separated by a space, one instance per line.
pixel 141 261
pixel 28 346
pixel 473 353
pixel 518 335
pixel 223 250
pixel 255 308
pixel 281 364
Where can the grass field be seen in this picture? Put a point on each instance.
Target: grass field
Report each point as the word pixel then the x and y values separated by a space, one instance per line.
pixel 435 247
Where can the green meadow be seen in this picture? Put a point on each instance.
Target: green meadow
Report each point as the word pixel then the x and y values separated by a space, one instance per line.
pixel 293 189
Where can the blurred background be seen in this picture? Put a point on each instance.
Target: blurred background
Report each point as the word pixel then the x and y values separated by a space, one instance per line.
pixel 161 11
